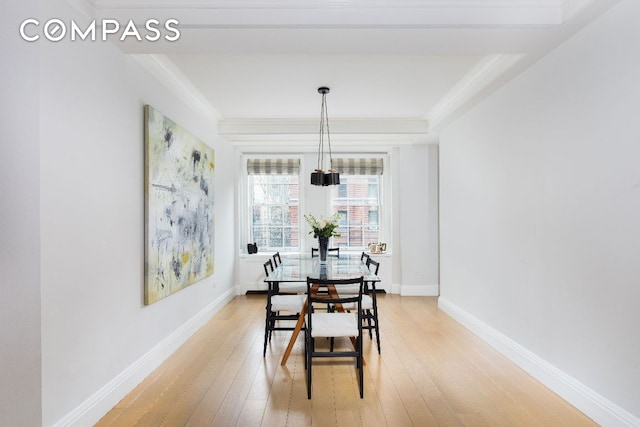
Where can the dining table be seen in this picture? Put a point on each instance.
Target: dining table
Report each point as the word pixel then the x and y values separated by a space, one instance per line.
pixel 294 269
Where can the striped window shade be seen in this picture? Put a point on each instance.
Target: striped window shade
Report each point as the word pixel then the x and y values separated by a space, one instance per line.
pixel 365 166
pixel 273 166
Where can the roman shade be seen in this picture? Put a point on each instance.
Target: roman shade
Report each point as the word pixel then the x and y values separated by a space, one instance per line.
pixel 273 166
pixel 361 166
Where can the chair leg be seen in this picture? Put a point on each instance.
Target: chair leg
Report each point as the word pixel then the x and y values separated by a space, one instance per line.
pixel 305 350
pixel 309 365
pixel 272 325
pixel 369 323
pixel 375 319
pixel 360 368
pixel 267 335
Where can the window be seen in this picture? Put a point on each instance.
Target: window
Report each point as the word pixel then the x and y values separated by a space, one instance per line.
pixel 274 203
pixel 358 200
pixel 342 189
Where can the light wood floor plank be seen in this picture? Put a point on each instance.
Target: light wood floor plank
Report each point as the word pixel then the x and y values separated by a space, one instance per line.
pixel 432 372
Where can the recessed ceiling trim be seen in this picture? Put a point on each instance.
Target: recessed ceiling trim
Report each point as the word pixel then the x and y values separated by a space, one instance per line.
pixel 351 17
pixel 305 4
pixel 173 79
pixel 309 143
pixel 487 71
pixel 310 126
pixel 571 8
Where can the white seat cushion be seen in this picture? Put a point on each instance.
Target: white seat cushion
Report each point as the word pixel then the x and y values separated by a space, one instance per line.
pixel 292 303
pixel 293 288
pixel 367 304
pixel 334 325
pixel 348 289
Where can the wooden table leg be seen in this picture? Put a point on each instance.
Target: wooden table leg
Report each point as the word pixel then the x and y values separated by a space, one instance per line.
pixel 294 336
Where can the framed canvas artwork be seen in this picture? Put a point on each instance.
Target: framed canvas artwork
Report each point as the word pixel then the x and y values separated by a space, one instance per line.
pixel 179 207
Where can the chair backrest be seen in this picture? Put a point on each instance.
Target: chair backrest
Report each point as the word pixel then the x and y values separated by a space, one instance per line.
pixel 376 264
pixel 276 259
pixel 269 264
pixel 338 297
pixel 330 252
pixel 364 257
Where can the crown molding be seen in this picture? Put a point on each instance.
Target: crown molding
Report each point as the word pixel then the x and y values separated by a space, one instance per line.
pixel 309 143
pixel 86 7
pixel 163 69
pixel 342 4
pixel 571 8
pixel 230 14
pixel 486 72
pixel 230 127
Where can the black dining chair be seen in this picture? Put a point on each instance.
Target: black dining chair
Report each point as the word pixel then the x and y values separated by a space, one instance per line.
pixel 370 306
pixel 330 252
pixel 276 259
pixel 332 324
pixel 364 257
pixel 268 267
pixel 279 308
pixel 282 287
pixel 369 303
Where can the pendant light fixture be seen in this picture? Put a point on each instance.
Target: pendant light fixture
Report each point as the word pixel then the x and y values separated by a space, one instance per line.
pixel 319 176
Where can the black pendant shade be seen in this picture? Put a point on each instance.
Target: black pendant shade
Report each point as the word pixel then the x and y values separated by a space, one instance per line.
pixel 331 178
pixel 325 178
pixel 319 176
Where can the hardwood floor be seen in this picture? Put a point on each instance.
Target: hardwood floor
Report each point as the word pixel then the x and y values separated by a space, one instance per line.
pixel 432 372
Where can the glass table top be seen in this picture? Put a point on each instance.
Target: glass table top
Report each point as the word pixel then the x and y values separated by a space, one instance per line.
pixel 296 268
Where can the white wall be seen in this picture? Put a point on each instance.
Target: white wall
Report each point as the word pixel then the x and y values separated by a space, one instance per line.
pixel 540 213
pixel 20 355
pixel 417 219
pixel 95 327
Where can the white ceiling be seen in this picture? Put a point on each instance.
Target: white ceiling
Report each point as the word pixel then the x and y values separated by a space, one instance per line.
pixel 399 67
pixel 285 86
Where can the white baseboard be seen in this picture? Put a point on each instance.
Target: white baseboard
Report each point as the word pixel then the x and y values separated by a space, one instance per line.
pixel 245 287
pixel 91 410
pixel 592 404
pixel 419 290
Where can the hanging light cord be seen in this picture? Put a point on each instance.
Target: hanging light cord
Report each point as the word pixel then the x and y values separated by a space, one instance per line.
pixel 321 143
pixel 326 118
pixel 324 123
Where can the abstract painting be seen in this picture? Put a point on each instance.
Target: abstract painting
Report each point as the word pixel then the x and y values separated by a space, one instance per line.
pixel 179 207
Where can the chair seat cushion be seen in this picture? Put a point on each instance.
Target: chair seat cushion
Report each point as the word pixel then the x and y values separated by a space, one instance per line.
pixel 367 304
pixel 334 325
pixel 292 303
pixel 292 288
pixel 349 289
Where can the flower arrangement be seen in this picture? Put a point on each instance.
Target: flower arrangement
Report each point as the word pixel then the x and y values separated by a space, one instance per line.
pixel 323 227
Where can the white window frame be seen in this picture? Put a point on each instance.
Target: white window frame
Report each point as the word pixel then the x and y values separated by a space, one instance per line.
pixel 245 194
pixel 385 204
pixel 306 190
